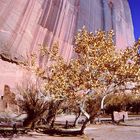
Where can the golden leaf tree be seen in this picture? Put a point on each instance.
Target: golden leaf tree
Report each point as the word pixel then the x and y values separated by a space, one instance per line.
pixel 97 69
pixel 127 79
pixel 88 72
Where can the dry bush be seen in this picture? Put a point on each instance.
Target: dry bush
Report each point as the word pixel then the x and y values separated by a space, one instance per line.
pixel 33 103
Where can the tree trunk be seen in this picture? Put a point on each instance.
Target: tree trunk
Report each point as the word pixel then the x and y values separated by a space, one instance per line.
pixel 30 122
pixel 112 116
pixel 84 125
pixel 52 123
pixel 76 119
pixel 91 121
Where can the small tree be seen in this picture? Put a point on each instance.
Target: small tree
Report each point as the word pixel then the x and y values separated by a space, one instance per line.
pixel 116 102
pixel 33 104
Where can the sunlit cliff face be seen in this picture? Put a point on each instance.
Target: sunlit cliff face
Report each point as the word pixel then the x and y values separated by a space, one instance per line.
pixel 24 25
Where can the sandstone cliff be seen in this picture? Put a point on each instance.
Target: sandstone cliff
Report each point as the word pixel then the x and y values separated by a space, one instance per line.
pixel 24 24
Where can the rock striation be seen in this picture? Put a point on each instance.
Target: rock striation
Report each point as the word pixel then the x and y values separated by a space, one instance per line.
pixel 25 24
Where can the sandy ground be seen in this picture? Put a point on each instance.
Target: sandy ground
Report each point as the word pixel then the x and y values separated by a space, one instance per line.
pixel 98 132
pixel 111 132
pixel 37 136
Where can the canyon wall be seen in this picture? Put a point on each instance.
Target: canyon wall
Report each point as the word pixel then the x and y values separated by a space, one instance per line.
pixel 27 24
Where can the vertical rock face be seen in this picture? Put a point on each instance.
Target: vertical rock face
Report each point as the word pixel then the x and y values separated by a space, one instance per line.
pixel 24 24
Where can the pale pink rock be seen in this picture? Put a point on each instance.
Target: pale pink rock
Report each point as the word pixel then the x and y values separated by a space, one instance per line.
pixel 10 74
pixel 24 24
pixel 120 115
pixel 13 75
pixel 8 100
